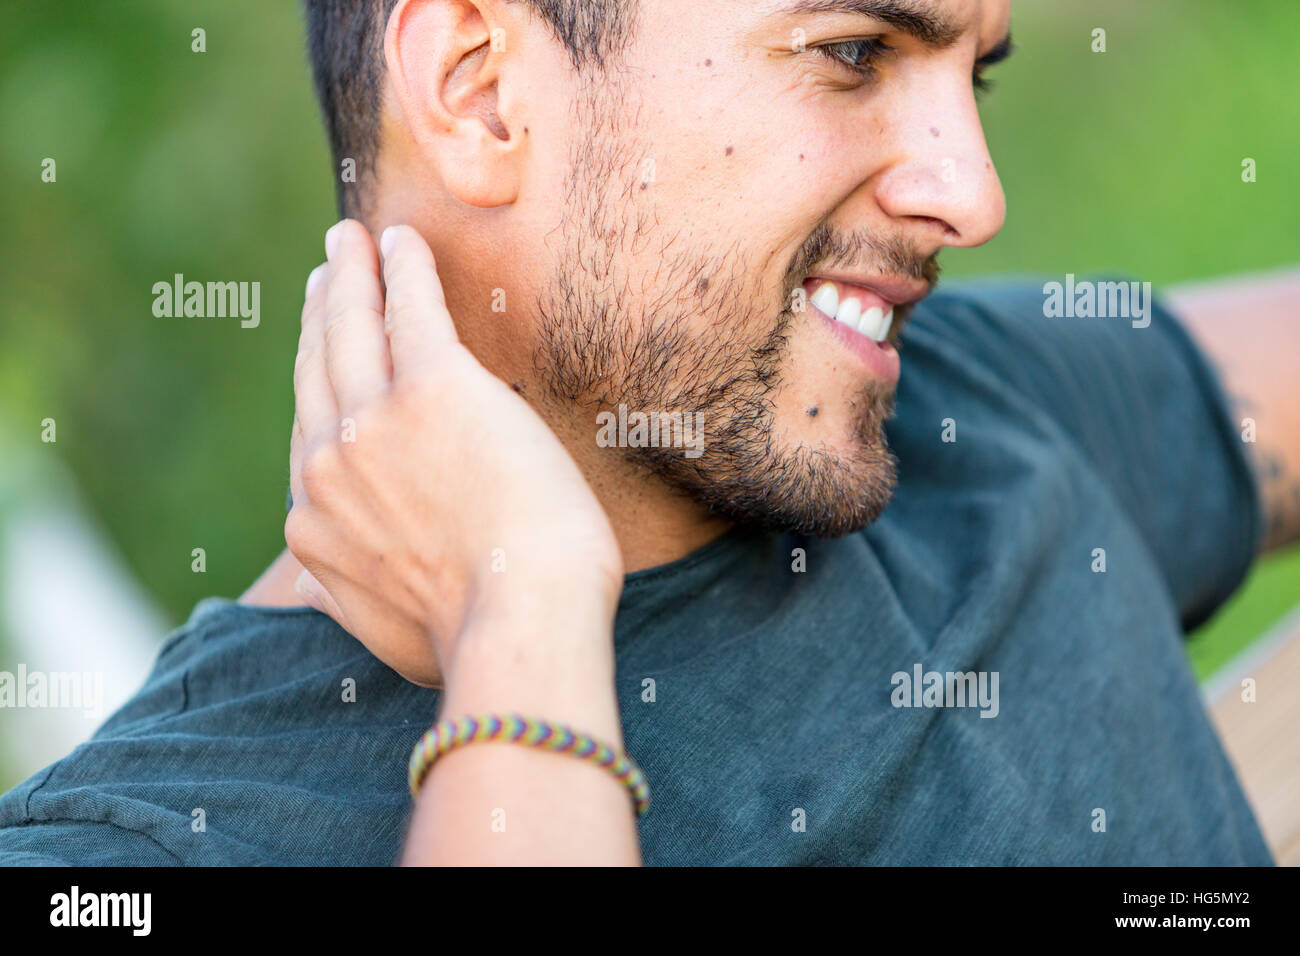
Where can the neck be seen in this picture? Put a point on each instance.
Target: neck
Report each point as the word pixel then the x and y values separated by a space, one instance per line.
pixel 654 527
pixel 654 523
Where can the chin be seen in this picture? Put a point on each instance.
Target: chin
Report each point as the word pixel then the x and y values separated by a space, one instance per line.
pixel 804 488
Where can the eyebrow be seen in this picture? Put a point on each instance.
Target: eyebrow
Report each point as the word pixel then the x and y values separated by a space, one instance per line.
pixel 917 19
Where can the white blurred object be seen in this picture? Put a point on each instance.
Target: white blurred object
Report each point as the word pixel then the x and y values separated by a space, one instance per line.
pixel 68 605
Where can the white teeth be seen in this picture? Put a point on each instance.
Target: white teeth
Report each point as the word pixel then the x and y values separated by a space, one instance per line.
pixel 885 325
pixel 826 299
pixel 874 323
pixel 870 324
pixel 848 312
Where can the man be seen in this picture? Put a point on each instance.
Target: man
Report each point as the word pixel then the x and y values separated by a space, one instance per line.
pixel 826 635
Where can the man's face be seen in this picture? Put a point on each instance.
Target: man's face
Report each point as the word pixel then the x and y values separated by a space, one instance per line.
pixel 754 189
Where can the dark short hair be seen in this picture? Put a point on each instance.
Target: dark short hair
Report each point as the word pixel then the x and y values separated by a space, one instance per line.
pixel 345 41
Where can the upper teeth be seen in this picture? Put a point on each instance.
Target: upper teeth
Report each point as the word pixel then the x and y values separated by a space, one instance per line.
pixel 873 323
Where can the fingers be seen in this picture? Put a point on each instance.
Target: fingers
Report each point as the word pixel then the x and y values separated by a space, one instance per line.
pixel 357 336
pixel 314 406
pixel 356 348
pixel 297 447
pixel 313 396
pixel 416 314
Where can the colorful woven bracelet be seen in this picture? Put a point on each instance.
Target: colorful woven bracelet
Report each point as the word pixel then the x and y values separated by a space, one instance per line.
pixel 516 729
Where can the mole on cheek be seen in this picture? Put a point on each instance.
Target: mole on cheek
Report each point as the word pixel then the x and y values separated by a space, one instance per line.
pixel 729 148
pixel 708 63
pixel 812 412
pixel 934 131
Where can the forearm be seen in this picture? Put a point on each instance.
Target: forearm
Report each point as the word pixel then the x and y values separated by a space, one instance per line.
pixel 502 803
pixel 1250 327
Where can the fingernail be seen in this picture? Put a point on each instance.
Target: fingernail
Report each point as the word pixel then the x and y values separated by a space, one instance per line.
pixel 316 277
pixel 386 240
pixel 332 239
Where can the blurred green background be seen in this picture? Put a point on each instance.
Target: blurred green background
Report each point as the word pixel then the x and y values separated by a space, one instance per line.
pixel 215 165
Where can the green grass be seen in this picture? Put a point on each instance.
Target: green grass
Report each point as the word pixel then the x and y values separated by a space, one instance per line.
pixel 1268 594
pixel 215 165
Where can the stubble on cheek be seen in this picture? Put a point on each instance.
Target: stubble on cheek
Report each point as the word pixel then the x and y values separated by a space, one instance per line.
pixel 638 311
pixel 638 316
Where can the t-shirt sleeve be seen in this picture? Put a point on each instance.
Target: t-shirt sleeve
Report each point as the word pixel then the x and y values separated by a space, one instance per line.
pixel 1144 406
pixel 79 843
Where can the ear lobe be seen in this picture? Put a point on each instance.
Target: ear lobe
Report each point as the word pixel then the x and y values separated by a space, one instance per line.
pixel 444 75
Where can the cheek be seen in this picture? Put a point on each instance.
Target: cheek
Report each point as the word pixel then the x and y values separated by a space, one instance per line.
pixel 724 161
pixel 753 197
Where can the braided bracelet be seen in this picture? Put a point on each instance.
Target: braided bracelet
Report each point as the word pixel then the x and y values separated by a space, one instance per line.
pixel 516 729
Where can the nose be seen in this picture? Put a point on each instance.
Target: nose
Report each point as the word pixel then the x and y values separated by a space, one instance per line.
pixel 943 189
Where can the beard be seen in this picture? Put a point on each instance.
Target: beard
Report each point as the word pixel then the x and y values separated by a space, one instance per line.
pixel 691 335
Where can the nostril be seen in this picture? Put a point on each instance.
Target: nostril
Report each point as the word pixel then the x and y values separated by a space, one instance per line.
pixel 949 231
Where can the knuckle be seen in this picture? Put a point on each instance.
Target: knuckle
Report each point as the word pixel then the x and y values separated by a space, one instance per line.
pixel 299 531
pixel 397 273
pixel 401 310
pixel 360 426
pixel 416 395
pixel 311 308
pixel 348 325
pixel 320 468
pixel 304 360
pixel 335 330
pixel 319 283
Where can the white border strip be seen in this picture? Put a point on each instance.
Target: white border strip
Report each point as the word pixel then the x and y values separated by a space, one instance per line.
pixel 1228 677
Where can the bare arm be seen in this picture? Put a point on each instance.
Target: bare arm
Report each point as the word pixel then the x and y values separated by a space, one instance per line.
pixel 1250 328
pixel 500 803
pixel 497 803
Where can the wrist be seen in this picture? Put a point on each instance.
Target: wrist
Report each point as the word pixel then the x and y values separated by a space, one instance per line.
pixel 548 651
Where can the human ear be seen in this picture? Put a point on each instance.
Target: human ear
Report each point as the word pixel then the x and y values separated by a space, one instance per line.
pixel 445 61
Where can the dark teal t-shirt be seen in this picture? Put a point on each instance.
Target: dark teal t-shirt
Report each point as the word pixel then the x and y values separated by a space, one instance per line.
pixel 789 699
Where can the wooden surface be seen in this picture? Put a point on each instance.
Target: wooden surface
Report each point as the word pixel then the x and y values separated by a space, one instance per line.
pixel 1263 738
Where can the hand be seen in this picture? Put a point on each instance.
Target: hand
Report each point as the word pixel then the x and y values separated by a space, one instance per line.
pixel 426 492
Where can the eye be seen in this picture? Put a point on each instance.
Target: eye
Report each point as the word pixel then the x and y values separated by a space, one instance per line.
pixel 857 56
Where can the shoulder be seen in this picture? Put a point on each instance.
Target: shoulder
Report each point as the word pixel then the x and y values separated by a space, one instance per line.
pixel 260 733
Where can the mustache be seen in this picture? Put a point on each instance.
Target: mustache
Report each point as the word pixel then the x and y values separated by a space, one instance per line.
pixel 890 255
